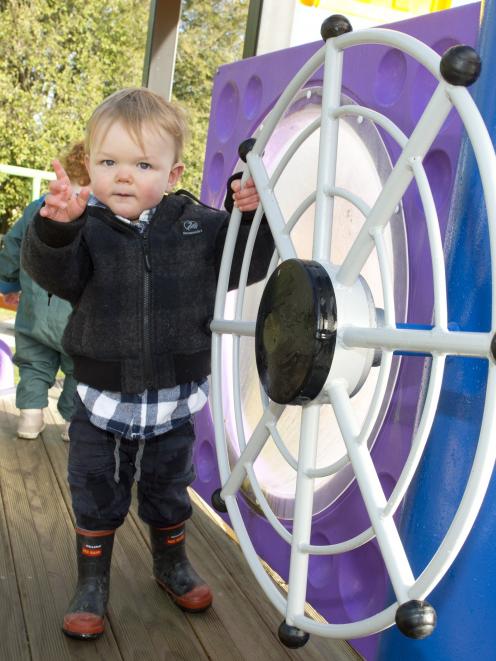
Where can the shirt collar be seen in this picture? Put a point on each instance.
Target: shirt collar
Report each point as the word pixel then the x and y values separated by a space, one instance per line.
pixel 143 218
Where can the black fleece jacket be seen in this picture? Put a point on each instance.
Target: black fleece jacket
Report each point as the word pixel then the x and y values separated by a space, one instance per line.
pixel 142 302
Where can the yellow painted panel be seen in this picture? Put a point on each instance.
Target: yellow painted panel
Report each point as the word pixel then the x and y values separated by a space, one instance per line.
pixel 413 7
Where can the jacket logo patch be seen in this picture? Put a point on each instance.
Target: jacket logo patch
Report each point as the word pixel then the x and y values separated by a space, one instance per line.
pixel 191 227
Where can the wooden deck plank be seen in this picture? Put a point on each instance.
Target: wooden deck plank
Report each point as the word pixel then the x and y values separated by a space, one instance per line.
pixel 239 602
pixel 252 597
pixel 36 522
pixel 227 630
pixel 167 627
pixel 13 639
pixel 39 537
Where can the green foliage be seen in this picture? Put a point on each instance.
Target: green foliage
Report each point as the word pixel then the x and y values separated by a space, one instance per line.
pixel 211 34
pixel 58 60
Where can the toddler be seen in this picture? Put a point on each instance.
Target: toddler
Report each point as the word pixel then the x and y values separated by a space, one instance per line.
pixel 140 267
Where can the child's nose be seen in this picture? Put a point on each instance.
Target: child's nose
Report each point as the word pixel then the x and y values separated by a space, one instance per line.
pixel 124 174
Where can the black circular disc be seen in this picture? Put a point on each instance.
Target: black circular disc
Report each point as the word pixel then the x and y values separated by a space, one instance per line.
pixel 295 333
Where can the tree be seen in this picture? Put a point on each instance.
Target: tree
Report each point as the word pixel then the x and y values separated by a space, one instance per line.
pixel 58 60
pixel 210 34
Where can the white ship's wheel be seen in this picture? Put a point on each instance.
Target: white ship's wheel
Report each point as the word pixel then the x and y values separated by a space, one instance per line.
pixel 318 333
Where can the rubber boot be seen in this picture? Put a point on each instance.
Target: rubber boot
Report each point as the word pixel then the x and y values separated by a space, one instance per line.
pixel 85 616
pixel 173 571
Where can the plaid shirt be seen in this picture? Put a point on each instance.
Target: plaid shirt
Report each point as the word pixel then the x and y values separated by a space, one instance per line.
pixel 152 412
pixel 147 414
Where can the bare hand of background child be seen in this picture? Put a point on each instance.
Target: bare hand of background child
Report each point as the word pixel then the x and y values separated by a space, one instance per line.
pixel 12 298
pixel 246 198
pixel 62 203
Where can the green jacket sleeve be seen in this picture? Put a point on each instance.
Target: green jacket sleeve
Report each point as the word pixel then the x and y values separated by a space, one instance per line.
pixel 10 250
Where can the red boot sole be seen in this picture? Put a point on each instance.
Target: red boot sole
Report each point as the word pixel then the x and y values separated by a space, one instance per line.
pixel 84 626
pixel 195 601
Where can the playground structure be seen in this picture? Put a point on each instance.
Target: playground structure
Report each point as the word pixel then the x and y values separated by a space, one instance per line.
pixel 396 86
pixel 388 86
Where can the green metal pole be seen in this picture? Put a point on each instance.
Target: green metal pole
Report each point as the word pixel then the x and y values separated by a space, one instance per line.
pixel 252 28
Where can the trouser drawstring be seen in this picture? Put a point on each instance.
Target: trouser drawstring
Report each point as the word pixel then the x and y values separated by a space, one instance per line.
pixel 117 457
pixel 137 461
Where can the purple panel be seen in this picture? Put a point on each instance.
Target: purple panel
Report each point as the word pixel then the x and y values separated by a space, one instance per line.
pixel 6 368
pixel 354 585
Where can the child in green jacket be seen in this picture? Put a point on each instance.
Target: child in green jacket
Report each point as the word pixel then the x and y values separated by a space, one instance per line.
pixel 39 324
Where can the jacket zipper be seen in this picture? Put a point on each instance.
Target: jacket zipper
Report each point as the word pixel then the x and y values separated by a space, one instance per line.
pixel 148 368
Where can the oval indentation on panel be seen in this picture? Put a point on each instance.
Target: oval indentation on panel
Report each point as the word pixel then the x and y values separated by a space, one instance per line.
pixel 227 111
pixel 390 78
pixel 252 98
pixel 443 44
pixel 424 82
pixel 215 175
pixel 205 462
pixel 361 581
pixel 439 172
pixel 320 566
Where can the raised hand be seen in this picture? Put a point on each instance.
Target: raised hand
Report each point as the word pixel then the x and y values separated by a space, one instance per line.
pixel 62 203
pixel 246 198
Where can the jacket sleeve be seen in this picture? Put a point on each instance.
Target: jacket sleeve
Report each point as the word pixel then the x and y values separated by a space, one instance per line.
pixel 10 250
pixel 56 257
pixel 262 250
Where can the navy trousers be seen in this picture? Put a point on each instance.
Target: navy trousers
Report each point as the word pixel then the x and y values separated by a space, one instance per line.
pixel 101 503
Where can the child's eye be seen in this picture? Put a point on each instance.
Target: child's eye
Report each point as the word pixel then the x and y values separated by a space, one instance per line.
pixel 108 162
pixel 144 166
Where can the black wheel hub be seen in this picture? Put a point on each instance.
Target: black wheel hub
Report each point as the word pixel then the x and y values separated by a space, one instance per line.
pixel 295 333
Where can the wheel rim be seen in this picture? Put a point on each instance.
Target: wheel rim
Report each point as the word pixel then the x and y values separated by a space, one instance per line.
pixel 440 343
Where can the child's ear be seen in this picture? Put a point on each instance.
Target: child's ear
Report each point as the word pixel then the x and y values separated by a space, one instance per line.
pixel 175 174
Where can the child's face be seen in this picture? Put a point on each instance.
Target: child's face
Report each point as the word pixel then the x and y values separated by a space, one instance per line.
pixel 129 178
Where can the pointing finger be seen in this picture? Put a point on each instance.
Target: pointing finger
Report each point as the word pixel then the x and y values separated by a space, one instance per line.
pixel 60 173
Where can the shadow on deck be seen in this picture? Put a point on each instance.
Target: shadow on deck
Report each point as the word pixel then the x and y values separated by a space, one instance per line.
pixel 38 573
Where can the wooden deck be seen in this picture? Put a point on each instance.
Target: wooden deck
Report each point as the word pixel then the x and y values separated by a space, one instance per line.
pixel 38 573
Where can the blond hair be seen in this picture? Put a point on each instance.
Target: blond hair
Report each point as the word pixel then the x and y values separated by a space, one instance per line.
pixel 73 163
pixel 135 106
